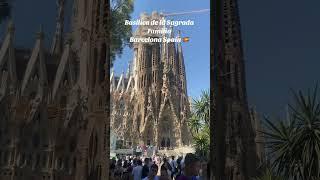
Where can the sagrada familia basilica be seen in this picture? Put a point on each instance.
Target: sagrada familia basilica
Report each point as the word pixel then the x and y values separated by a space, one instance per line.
pixel 54 121
pixel 150 104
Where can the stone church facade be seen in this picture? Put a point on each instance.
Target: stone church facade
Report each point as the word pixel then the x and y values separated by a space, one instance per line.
pixel 149 104
pixel 54 118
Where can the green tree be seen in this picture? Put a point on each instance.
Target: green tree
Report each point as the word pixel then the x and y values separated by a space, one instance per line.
pixel 199 124
pixel 294 144
pixel 120 33
pixel 5 9
pixel 202 107
pixel 202 144
pixel 195 125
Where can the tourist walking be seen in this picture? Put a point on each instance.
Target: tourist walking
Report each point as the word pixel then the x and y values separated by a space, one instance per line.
pixel 118 170
pixel 173 165
pixel 137 171
pixel 164 174
pixel 153 173
pixel 191 168
pixel 145 168
pixel 167 166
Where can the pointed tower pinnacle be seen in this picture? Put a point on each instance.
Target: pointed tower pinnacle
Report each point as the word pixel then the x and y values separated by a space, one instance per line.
pixel 129 70
pixel 57 44
pixel 40 34
pixel 181 64
pixel 11 27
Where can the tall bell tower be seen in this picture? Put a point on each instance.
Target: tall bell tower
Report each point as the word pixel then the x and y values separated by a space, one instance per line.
pixel 91 44
pixel 238 151
pixel 89 40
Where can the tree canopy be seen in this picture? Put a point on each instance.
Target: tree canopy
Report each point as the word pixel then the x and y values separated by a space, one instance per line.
pixel 120 33
pixel 294 143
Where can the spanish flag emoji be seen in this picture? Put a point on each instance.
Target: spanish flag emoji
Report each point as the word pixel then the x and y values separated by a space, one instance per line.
pixel 186 39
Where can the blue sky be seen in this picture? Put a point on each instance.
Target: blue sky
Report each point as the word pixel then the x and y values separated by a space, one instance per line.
pixel 196 51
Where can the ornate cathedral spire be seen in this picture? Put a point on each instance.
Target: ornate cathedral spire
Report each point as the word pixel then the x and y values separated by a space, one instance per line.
pixel 36 66
pixel 181 69
pixel 129 71
pixel 236 146
pixel 7 48
pixel 173 57
pixel 58 39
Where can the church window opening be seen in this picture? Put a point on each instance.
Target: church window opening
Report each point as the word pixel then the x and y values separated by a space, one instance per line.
pixel 36 140
pixel 233 145
pixel 73 145
pixel 119 144
pixel 60 163
pixel 231 173
pixel 95 145
pixel 29 161
pixel 94 66
pixel 44 160
pixel 239 120
pixel 6 157
pixel 66 163
pixel 121 103
pixel 163 142
pixel 74 162
pixel 236 78
pixel 138 123
pixel 228 71
pixel 105 137
pixel 168 142
pixel 63 101
pixel 23 158
pixel 102 62
pixel 235 44
pixel 49 161
pixel 32 95
pixel 37 160
pixel 98 16
pixel 85 9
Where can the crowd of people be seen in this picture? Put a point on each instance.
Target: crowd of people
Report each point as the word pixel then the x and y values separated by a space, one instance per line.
pixel 158 168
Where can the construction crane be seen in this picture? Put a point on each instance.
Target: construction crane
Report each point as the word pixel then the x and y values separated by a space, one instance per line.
pixel 185 39
pixel 187 12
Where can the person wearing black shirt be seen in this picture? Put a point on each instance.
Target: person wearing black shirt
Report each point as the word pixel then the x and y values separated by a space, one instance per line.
pixel 145 168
